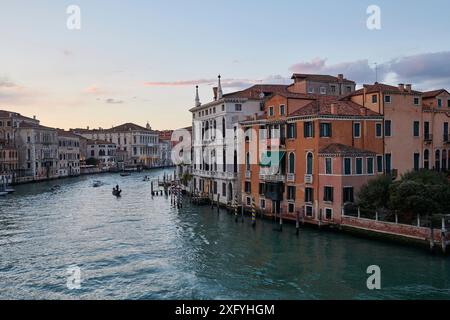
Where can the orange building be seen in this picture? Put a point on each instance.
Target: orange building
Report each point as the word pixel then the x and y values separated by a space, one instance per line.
pixel 309 154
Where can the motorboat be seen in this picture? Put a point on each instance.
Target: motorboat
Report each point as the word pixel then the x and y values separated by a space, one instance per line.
pixel 117 193
pixel 125 174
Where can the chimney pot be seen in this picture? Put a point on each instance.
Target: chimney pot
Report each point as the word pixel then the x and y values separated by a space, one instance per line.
pixel 340 77
pixel 409 87
pixel 401 87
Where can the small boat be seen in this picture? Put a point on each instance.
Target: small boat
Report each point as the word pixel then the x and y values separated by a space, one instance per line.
pixel 3 193
pixel 117 193
pixel 125 174
pixel 9 190
pixel 97 184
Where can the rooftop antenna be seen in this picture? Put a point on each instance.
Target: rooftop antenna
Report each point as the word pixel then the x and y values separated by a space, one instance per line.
pixel 376 72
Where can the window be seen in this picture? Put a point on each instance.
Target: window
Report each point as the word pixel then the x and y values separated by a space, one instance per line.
pixel 333 89
pixel 292 131
pixel 328 194
pixel 308 128
pixel 238 107
pixel 323 90
pixel 291 163
pixel 445 129
pixel 215 187
pixel 328 213
pixel 310 90
pixel 249 201
pixel 379 130
pixel 347 166
pixel 291 207
pixel 370 167
pixel 328 166
pixel 223 107
pixel 448 103
pixel 309 163
pixel 416 128
pixel 357 130
pixel 416 161
pixel 359 166
pixel 416 101
pixel 224 190
pixel 271 111
pixel 387 99
pixel 387 128
pixel 263 203
pixel 439 103
pixel 325 130
pixel 262 189
pixel 388 163
pixel 309 211
pixel 282 110
pixel 309 195
pixel 248 187
pixel 426 159
pixel 291 192
pixel 247 161
pixel 380 164
pixel 374 98
pixel 348 195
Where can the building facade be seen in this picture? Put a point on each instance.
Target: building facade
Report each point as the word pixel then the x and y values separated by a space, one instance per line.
pixel 69 154
pixel 137 145
pixel 310 155
pixel 104 152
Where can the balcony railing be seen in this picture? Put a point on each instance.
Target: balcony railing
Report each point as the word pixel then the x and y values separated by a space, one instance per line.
pixel 273 178
pixel 309 178
pixel 446 138
pixel 290 177
pixel 428 137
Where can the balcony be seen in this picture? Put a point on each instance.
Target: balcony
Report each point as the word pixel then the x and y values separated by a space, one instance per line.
pixel 428 138
pixel 309 179
pixel 290 177
pixel 446 138
pixel 272 177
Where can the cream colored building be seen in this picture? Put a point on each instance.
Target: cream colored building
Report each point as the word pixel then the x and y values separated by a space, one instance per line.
pixel 69 154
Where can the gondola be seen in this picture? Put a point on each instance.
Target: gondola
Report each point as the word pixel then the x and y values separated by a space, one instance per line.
pixel 117 193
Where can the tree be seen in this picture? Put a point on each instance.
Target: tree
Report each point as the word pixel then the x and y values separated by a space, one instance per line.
pixel 375 194
pixel 424 192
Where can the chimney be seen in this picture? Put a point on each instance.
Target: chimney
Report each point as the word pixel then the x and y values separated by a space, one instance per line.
pixel 401 87
pixel 215 93
pixel 340 77
pixel 333 108
pixel 87 127
pixel 363 111
pixel 34 117
pixel 409 88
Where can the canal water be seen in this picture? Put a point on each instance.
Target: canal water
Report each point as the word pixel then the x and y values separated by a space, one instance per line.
pixel 137 247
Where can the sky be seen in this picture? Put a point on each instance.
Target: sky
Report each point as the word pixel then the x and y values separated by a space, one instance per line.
pixel 138 61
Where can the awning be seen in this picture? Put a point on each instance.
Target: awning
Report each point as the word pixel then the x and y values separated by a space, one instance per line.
pixel 271 158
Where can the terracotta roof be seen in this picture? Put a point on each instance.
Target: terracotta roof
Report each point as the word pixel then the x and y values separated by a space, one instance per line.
pixel 320 78
pixel 324 105
pixel 385 88
pixel 344 150
pixel 255 91
pixel 434 93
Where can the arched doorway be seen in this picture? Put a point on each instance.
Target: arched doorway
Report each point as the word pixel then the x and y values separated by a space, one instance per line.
pixel 437 158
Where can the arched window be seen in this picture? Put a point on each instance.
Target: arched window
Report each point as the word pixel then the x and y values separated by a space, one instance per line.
pixel 291 163
pixel 247 161
pixel 438 160
pixel 223 128
pixel 426 159
pixel 309 163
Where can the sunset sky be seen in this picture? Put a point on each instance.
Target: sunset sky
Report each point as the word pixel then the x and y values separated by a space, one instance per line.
pixel 139 61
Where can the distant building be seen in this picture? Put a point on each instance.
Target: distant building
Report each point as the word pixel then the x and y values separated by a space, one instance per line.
pixel 137 145
pixel 322 84
pixel 69 154
pixel 103 151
